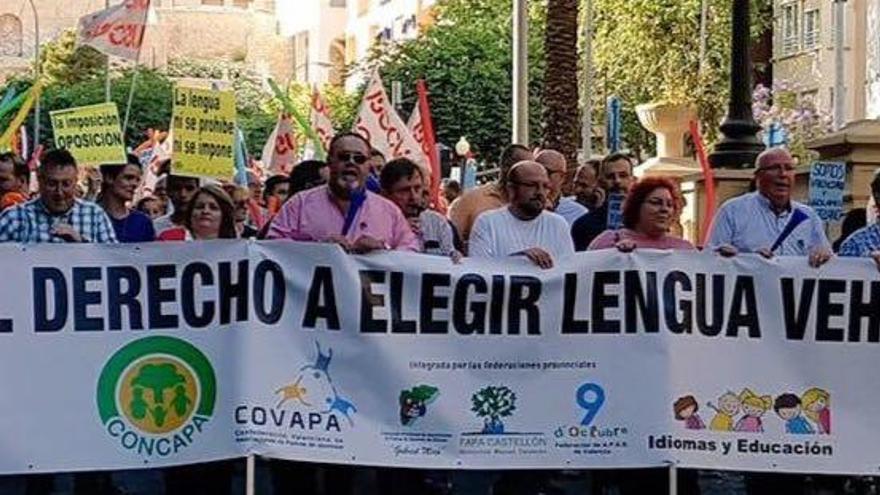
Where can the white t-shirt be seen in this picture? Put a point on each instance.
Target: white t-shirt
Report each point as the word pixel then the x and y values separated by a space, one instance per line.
pixel 497 233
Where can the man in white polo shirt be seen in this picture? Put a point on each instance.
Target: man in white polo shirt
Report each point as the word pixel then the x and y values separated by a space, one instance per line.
pixel 523 227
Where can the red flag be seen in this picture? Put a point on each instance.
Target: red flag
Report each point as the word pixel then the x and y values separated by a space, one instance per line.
pixel 429 143
pixel 708 177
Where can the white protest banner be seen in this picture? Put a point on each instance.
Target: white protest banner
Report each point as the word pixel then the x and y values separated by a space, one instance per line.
pixel 117 30
pixel 279 152
pixel 827 182
pixel 321 121
pixel 153 355
pixel 380 124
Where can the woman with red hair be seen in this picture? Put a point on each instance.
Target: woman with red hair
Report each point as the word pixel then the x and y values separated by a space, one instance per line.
pixel 649 210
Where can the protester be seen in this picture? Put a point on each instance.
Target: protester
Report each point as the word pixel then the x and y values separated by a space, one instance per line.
pixel 160 192
pixel 585 186
pixel 768 221
pixel 56 214
pixel 377 161
pixel 210 215
pixel 854 220
pixel 308 174
pixel 523 227
pixel 151 206
pixel 118 186
pixel 451 190
pixel 276 189
pixel 181 190
pixel 404 185
pixel 865 242
pixel 14 175
pixel 464 211
pixel 241 197
pixel 648 214
pixel 615 178
pixel 255 184
pixel 557 169
pixel 343 212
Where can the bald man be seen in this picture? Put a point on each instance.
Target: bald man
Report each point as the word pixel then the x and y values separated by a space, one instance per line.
pixel 556 166
pixel 523 227
pixel 768 221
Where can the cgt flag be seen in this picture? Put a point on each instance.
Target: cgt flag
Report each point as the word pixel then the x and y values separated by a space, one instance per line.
pixel 117 31
pixel 379 123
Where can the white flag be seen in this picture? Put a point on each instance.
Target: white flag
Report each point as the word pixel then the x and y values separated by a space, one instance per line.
pixel 415 126
pixel 321 121
pixel 279 152
pixel 117 31
pixel 384 129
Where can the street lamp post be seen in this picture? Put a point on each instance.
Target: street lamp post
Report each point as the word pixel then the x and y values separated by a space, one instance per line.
pixel 37 73
pixel 740 144
pixel 521 72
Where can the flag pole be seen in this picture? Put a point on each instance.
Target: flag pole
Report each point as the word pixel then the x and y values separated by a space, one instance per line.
pixel 137 71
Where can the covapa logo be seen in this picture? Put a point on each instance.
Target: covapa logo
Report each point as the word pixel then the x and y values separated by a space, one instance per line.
pixel 156 394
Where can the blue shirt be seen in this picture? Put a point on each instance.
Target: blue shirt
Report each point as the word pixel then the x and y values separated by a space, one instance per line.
pixel 749 224
pixel 862 242
pixel 798 425
pixel 135 227
pixel 31 223
pixel 570 210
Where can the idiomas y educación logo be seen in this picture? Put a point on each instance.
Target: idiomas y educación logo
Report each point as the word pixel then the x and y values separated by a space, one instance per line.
pixel 155 395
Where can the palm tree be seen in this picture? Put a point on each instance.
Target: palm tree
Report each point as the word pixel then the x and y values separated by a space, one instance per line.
pixel 560 99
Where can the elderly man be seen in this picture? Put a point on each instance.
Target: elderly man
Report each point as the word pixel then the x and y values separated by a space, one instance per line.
pixel 523 227
pixel 865 242
pixel 56 215
pixel 615 178
pixel 768 221
pixel 343 211
pixel 556 166
pixel 465 210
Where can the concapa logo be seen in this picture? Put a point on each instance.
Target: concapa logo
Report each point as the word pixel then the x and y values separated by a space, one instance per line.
pixel 156 394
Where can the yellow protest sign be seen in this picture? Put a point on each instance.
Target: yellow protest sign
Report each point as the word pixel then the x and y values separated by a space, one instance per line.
pixel 91 134
pixel 204 133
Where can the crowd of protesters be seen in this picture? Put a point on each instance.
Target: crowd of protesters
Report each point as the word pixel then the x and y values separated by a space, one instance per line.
pixel 539 208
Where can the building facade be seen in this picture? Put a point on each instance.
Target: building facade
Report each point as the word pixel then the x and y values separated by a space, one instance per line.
pixel 317 28
pixel 804 40
pixel 246 31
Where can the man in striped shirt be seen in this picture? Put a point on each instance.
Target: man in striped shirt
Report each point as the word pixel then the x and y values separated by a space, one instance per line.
pixel 56 215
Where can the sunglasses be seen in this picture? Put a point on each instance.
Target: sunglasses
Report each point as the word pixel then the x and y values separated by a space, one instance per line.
pixel 356 158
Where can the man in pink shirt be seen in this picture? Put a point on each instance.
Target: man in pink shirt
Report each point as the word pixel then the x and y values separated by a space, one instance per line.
pixel 343 211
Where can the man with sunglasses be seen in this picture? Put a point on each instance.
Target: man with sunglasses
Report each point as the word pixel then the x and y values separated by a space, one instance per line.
pixel 768 221
pixel 523 227
pixel 865 242
pixel 343 211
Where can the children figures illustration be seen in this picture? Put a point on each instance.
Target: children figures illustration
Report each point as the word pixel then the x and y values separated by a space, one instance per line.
pixel 753 406
pixel 728 407
pixel 816 403
pixel 788 407
pixel 685 409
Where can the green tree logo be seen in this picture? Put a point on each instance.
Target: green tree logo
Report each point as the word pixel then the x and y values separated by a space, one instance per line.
pixel 493 403
pixel 157 385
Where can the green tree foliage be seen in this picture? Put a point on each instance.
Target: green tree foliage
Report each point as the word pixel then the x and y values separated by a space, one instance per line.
pixel 648 50
pixel 63 63
pixel 466 61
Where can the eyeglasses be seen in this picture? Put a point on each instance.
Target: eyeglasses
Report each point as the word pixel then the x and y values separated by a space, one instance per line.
pixel 531 185
pixel 775 168
pixel 660 203
pixel 356 158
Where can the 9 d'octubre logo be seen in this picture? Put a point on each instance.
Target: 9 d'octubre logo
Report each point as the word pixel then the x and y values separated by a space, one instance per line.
pixel 155 395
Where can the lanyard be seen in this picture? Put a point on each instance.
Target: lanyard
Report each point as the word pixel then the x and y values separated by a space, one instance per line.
pixel 797 217
pixel 357 200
